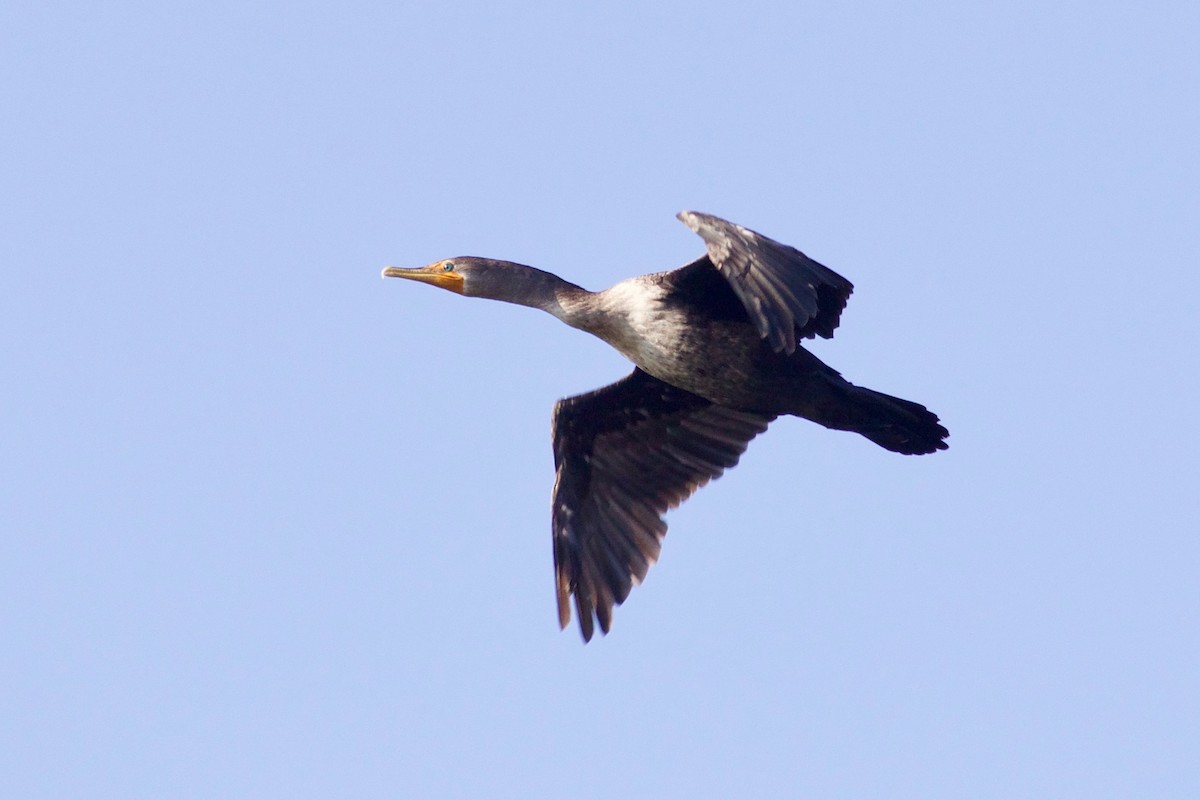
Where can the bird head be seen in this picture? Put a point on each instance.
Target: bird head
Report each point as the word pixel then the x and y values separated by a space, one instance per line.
pixel 485 277
pixel 450 273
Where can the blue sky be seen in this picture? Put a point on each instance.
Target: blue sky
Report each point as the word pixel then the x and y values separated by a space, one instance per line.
pixel 273 527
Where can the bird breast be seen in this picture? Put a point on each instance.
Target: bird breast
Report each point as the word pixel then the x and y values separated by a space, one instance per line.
pixel 675 342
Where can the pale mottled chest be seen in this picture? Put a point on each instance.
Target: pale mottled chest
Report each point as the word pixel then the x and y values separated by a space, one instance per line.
pixel 643 326
pixel 673 342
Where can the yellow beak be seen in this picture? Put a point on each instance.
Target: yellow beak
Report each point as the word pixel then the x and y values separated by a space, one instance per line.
pixel 436 273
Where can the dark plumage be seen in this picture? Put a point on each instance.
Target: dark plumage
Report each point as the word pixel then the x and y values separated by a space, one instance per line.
pixel 715 344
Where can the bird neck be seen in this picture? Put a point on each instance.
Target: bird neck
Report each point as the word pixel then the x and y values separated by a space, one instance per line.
pixel 618 315
pixel 573 305
pixel 528 286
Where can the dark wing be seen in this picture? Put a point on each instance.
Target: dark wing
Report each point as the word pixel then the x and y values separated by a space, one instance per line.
pixel 625 454
pixel 786 293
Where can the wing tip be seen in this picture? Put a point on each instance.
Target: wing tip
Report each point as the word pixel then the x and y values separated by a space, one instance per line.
pixel 584 609
pixel 690 218
pixel 564 608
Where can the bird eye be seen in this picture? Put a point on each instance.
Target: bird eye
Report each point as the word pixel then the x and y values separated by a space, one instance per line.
pixel 448 266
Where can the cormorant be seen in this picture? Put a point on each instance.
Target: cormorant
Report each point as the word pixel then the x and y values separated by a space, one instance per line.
pixel 715 348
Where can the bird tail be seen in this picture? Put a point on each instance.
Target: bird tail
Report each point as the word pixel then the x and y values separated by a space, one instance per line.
pixel 901 426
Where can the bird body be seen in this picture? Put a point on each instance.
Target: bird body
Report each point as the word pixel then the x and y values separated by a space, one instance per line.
pixel 720 359
pixel 638 320
pixel 717 359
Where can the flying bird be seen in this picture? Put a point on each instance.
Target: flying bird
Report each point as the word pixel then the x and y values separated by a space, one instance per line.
pixel 716 351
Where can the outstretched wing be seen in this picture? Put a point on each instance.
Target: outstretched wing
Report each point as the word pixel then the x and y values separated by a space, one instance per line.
pixel 625 454
pixel 786 293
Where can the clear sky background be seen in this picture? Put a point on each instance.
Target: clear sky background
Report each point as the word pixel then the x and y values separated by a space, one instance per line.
pixel 274 527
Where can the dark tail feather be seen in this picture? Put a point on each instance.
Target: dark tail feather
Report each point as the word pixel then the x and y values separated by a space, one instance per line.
pixel 894 424
pixel 901 426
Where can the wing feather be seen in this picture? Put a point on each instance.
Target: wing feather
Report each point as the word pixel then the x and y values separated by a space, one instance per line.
pixel 624 455
pixel 786 293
